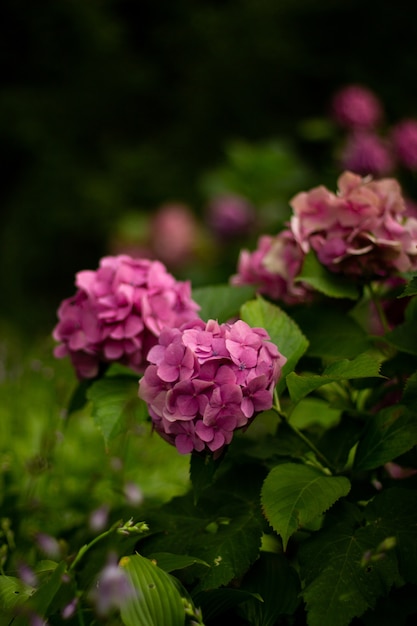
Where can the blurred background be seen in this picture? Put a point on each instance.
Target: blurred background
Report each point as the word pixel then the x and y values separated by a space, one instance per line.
pixel 124 125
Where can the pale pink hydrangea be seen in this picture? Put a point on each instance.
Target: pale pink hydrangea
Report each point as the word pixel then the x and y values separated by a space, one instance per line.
pixel 361 231
pixel 366 153
pixel 356 107
pixel 404 139
pixel 118 312
pixel 273 267
pixel 206 380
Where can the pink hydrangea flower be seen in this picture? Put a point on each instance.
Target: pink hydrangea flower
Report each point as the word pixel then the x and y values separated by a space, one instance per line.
pixel 361 231
pixel 174 232
pixel 355 106
pixel 273 267
pixel 404 139
pixel 230 216
pixel 366 153
pixel 205 380
pixel 118 312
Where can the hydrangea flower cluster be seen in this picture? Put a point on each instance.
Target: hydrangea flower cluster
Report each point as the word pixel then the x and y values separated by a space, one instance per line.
pixel 368 148
pixel 118 312
pixel 206 380
pixel 356 107
pixel 364 230
pixel 360 231
pixel 272 268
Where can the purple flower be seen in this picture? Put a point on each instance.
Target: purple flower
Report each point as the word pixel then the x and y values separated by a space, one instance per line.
pixel 404 139
pixel 118 312
pixel 230 216
pixel 215 381
pixel 272 268
pixel 112 590
pixel 355 106
pixel 363 230
pixel 366 153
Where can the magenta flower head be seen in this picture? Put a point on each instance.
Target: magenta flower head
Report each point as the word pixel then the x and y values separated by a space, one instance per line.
pixel 230 216
pixel 362 231
pixel 366 153
pixel 118 312
pixel 273 267
pixel 404 139
pixel 356 107
pixel 207 380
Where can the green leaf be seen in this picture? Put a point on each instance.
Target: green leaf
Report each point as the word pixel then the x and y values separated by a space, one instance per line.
pixel 411 288
pixel 410 392
pixel 282 330
pixel 221 302
pixel 331 332
pixel 224 530
pixel 394 512
pixel 277 583
pixel 41 600
pixel 202 469
pixel 387 435
pixel 171 562
pixel 293 495
pixel 13 592
pixel 157 600
pixel 365 365
pixel 214 602
pixel 332 285
pixel 403 337
pixel 115 403
pixel 338 584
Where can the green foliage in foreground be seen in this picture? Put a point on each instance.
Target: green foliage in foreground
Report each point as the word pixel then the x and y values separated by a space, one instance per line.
pixel 307 519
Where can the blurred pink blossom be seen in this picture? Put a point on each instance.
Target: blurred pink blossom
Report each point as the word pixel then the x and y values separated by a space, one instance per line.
pixel 355 106
pixel 230 216
pixel 173 234
pixel 367 153
pixel 118 312
pixel 404 139
pixel 360 231
pixel 206 380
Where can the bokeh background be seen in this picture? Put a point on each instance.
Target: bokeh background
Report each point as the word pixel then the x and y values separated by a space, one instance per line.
pixel 110 109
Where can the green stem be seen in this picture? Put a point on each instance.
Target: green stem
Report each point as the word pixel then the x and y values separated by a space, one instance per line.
pixel 92 543
pixel 300 435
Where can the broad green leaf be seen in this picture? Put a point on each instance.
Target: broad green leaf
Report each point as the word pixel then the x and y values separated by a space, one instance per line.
pixel 13 592
pixel 410 392
pixel 43 597
pixel 403 337
pixel 331 332
pixel 394 512
pixel 282 330
pixel 157 600
pixel 339 585
pixel 332 285
pixel 365 365
pixel 214 602
pixel 411 288
pixel 293 495
pixel 115 403
pixel 221 302
pixel 202 469
pixel 224 530
pixel 387 435
pixel 345 567
pixel 170 562
pixel 278 585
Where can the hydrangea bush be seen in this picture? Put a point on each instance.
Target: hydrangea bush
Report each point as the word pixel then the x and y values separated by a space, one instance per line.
pixel 293 392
